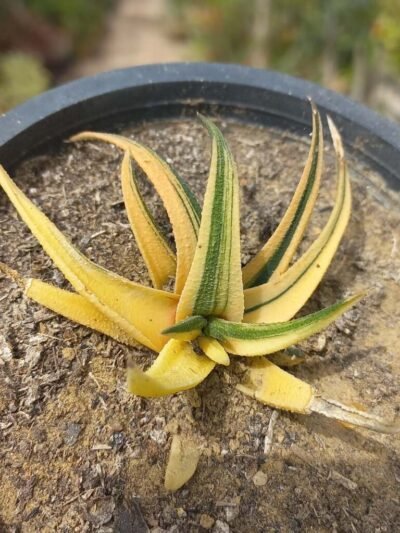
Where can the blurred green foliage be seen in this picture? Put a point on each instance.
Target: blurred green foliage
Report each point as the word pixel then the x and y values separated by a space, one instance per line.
pixel 21 77
pixel 82 19
pixel 220 30
pixel 315 39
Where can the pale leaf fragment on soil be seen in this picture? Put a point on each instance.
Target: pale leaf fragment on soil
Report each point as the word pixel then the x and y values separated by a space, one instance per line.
pixel 182 462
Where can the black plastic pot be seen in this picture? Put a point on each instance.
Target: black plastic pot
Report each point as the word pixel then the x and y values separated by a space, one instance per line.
pixel 173 90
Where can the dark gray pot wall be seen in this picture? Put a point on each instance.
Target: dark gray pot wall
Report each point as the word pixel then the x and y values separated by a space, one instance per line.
pixel 172 90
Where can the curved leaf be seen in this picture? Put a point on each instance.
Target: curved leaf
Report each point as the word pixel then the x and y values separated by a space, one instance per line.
pixel 140 311
pixel 177 368
pixel 180 203
pixel 280 300
pixel 274 258
pixel 214 285
pixel 213 349
pixel 271 385
pixel 262 339
pixel 158 256
pixel 76 308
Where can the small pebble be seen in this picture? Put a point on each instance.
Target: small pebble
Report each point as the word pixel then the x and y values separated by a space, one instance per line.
pixel 71 434
pixel 221 527
pixel 260 479
pixel 206 521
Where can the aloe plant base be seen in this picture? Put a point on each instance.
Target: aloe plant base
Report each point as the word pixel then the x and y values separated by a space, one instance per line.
pixel 72 412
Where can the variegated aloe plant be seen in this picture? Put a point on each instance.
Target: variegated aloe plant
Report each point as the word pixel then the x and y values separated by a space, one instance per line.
pixel 217 308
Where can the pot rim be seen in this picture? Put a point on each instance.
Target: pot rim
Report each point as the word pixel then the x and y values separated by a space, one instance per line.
pixel 163 89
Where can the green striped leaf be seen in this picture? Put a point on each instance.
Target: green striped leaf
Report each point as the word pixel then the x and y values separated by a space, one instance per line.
pixel 262 339
pixel 214 285
pixel 280 300
pixel 186 329
pixel 158 256
pixel 275 256
pixel 181 205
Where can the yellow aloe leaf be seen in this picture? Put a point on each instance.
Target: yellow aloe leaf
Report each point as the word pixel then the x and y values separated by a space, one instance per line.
pixel 280 300
pixel 262 339
pixel 158 256
pixel 140 311
pixel 269 384
pixel 214 351
pixel 273 386
pixel 177 368
pixel 214 285
pixel 183 458
pixel 76 308
pixel 274 257
pixel 181 205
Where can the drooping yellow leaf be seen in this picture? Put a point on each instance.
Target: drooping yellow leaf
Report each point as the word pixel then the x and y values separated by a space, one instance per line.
pixel 277 388
pixel 183 458
pixel 213 349
pixel 181 205
pixel 177 368
pixel 214 285
pixel 76 308
pixel 280 300
pixel 262 339
pixel 158 256
pixel 140 311
pixel 271 385
pixel 275 256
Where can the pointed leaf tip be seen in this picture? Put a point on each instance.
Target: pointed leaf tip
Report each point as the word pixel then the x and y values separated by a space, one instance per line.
pixel 214 285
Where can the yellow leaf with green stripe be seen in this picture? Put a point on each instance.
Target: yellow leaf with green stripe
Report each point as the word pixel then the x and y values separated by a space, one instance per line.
pixel 140 311
pixel 214 285
pixel 177 368
pixel 262 339
pixel 280 300
pixel 158 256
pixel 275 256
pixel 181 205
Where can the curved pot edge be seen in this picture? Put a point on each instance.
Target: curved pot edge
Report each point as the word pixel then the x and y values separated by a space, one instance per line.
pixel 33 123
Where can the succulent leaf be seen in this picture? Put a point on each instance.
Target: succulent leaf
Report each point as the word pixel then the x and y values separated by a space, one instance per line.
pixel 177 368
pixel 262 339
pixel 269 384
pixel 181 205
pixel 76 308
pixel 280 300
pixel 275 387
pixel 140 311
pixel 214 285
pixel 158 256
pixel 214 350
pixel 275 256
pixel 187 329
